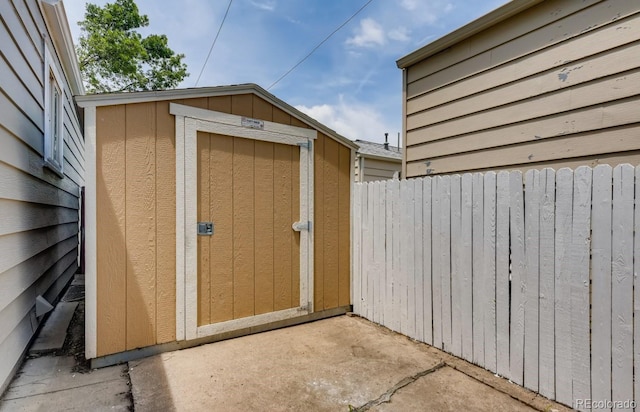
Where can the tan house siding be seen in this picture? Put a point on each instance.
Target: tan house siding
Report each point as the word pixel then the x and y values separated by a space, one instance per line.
pixel 554 85
pixel 136 217
pixel 38 209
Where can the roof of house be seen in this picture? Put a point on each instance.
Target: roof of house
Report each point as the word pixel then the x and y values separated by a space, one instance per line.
pixel 490 19
pixel 377 150
pixel 108 99
pixel 57 23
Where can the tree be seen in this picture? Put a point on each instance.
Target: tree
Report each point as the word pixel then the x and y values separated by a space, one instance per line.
pixel 115 57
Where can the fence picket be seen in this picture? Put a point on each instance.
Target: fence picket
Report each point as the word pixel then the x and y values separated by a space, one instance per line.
pixel 622 288
pixel 357 250
pixel 397 236
pixel 636 289
pixel 389 313
pixel 532 233
pixel 546 371
pixel 489 260
pixel 518 279
pixel 426 260
pixel 456 281
pixel 445 249
pixel 371 273
pixel 436 256
pixel 601 284
pixel 564 208
pixel 580 245
pixel 502 274
pixel 408 258
pixel 378 250
pixel 418 261
pixel 477 268
pixel 466 259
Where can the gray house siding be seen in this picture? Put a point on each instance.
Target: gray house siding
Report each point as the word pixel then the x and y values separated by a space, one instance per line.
pixel 39 210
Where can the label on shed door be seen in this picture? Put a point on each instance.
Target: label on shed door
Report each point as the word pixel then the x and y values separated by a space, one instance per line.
pixel 252 123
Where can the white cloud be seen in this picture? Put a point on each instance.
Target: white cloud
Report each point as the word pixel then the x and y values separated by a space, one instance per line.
pixel 400 34
pixel 352 120
pixel 369 34
pixel 265 5
pixel 427 12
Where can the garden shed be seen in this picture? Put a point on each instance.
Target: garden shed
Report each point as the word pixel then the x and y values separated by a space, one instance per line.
pixel 210 213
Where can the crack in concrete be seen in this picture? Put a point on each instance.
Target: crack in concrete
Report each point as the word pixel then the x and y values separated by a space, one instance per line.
pixel 8 398
pixel 386 397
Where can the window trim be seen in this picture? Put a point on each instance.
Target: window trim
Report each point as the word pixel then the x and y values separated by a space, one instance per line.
pixel 53 159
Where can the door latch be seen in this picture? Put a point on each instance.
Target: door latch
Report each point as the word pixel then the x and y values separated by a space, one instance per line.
pixel 205 228
pixel 300 226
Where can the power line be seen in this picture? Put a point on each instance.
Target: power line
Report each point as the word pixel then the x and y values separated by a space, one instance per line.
pixel 214 41
pixel 320 44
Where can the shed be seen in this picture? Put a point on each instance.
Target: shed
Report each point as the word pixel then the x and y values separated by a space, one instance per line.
pixel 532 84
pixel 377 161
pixel 211 213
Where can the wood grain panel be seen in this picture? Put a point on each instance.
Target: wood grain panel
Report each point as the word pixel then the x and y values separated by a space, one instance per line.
pixel 565 54
pixel 111 221
pixel 243 228
pixel 222 206
pixel 220 104
pixel 283 205
pixel 599 91
pixel 264 226
pixel 616 113
pixel 242 105
pixel 204 215
pixel 619 139
pixel 140 224
pixel 331 223
pixel 564 77
pixel 165 224
pixel 280 116
pixel 318 229
pixel 344 228
pixel 529 30
pixel 262 109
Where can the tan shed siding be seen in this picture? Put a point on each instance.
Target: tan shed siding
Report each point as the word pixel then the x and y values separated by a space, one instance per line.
pixel 546 86
pixel 136 191
pixel 39 223
pixel 332 237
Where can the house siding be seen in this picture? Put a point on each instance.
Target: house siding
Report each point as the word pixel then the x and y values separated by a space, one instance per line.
pixel 39 211
pixel 371 170
pixel 553 86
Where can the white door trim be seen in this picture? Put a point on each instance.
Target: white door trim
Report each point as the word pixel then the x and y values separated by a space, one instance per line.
pixel 189 121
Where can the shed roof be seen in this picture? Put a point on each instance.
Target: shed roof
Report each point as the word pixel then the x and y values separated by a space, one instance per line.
pixel 377 150
pixel 109 99
pixel 490 19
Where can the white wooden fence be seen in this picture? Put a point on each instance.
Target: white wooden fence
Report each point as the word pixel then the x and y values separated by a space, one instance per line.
pixel 532 278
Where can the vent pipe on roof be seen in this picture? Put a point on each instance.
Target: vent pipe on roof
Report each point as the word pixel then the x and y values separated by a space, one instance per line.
pixel 386 141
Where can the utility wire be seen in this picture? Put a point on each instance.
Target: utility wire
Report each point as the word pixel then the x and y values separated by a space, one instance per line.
pixel 214 42
pixel 320 44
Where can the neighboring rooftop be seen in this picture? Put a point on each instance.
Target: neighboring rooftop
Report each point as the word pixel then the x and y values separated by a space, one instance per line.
pixel 378 150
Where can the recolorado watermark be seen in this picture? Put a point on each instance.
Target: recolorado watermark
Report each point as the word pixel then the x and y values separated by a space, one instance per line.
pixel 604 404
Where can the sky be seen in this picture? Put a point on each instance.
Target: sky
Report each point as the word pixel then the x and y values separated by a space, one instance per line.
pixel 351 83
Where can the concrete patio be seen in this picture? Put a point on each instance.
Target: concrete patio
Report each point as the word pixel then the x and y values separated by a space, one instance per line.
pixel 344 363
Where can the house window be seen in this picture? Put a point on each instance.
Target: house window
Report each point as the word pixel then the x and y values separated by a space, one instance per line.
pixel 53 116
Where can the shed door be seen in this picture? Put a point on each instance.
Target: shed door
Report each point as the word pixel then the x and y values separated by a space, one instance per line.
pixel 250 191
pixel 253 180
